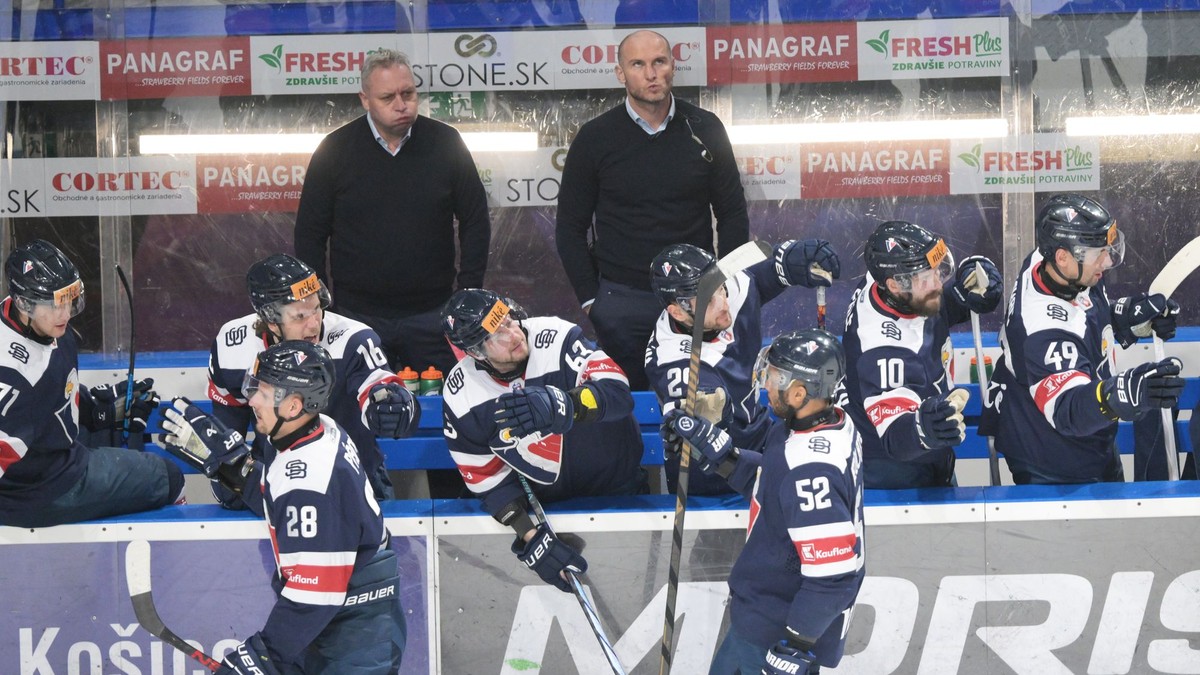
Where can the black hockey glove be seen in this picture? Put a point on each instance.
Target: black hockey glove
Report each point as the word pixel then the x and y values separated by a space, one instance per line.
pixel 535 409
pixel 548 556
pixel 203 442
pixel 717 452
pixel 1137 316
pixel 1133 393
pixel 391 411
pixel 108 405
pixel 250 658
pixel 784 658
pixel 940 421
pixel 979 295
pixel 807 262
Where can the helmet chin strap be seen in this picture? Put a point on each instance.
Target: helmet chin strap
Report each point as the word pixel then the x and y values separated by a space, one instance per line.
pixel 896 302
pixel 1072 287
pixel 280 419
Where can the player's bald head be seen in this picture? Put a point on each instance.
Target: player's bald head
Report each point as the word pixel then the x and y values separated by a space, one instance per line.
pixel 647 37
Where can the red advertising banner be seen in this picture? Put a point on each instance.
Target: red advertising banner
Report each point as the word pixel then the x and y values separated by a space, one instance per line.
pixel 250 183
pixel 136 69
pixel 800 52
pixel 884 169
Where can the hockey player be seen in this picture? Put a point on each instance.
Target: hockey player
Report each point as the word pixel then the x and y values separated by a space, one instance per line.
pixel 338 607
pixel 1056 399
pixel 733 338
pixel 47 476
pixel 289 304
pixel 536 397
pixel 794 584
pixel 897 338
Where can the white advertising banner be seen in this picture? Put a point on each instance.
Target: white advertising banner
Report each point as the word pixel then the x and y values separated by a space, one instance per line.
pixel 934 48
pixel 50 71
pixel 1041 162
pixel 88 186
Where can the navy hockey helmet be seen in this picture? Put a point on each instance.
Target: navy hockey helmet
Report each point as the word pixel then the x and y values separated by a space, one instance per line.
pixel 1080 225
pixel 294 367
pixel 279 280
pixel 902 250
pixel 40 274
pixel 472 315
pixel 812 357
pixel 675 274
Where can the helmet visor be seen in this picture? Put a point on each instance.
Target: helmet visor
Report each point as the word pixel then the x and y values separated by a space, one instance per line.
pixel 1115 251
pixel 941 268
pixel 689 304
pixel 68 299
pixel 768 377
pixel 251 384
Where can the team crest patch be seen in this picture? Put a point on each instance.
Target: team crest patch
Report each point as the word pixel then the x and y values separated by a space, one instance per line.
pixel 810 347
pixel 299 357
pixel 890 244
pixel 26 267
pixel 1071 213
pixel 666 269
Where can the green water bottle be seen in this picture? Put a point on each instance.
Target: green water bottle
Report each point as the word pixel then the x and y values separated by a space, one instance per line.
pixel 431 382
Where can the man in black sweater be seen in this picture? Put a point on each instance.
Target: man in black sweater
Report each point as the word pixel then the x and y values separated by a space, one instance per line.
pixel 646 174
pixel 381 197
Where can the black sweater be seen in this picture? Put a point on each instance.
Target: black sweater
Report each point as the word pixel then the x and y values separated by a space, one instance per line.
pixel 388 222
pixel 645 192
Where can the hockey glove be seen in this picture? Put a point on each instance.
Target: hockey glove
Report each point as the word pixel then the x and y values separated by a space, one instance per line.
pixel 808 262
pixel 535 409
pixel 979 295
pixel 1133 393
pixel 549 557
pixel 391 411
pixel 1137 316
pixel 249 658
pixel 716 452
pixel 784 658
pixel 940 421
pixel 203 442
pixel 108 405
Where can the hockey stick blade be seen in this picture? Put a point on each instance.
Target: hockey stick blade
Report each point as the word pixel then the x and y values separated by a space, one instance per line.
pixel 1178 268
pixel 137 577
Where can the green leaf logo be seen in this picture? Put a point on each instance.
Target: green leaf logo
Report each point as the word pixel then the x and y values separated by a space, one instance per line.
pixel 275 58
pixel 880 44
pixel 523 664
pixel 972 158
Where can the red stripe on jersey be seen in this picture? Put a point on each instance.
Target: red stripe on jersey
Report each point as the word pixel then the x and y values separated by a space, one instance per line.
pixel 8 456
pixel 1052 386
pixel 755 507
pixel 887 408
pixel 548 448
pixel 826 550
pixel 318 578
pixel 605 365
pixel 216 395
pixel 478 474
pixel 362 399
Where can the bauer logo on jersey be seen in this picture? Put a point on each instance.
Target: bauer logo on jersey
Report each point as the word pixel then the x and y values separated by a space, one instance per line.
pixel 306 287
pixel 937 254
pixel 495 317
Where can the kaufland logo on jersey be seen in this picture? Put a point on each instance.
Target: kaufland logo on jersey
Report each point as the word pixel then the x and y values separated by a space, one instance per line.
pixel 811 553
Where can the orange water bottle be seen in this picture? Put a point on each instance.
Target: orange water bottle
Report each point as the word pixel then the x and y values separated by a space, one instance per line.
pixel 410 379
pixel 431 382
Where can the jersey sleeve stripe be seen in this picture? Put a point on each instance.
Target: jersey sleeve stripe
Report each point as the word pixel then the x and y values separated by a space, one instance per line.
pixel 224 396
pixel 885 409
pixel 316 578
pixel 480 477
pixel 823 556
pixel 376 377
pixel 600 366
pixel 1047 392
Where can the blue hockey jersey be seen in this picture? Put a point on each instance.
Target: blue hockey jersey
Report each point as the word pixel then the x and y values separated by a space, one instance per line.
pixel 1054 353
pixel 895 361
pixel 803 562
pixel 325 525
pixel 600 458
pixel 726 361
pixel 359 364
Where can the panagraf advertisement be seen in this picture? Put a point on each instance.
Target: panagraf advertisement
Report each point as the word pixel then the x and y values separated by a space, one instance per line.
pixel 800 52
pixel 1046 162
pixel 49 71
pixel 251 183
pixel 138 69
pixel 852 170
pixel 937 48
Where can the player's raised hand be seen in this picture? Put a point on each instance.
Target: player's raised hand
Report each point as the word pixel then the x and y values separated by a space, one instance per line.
pixel 981 294
pixel 391 411
pixel 549 557
pixel 807 262
pixel 535 409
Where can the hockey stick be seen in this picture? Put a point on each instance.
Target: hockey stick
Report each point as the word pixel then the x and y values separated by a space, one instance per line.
pixel 1173 273
pixel 137 577
pixel 589 611
pixel 978 286
pixel 134 441
pixel 820 271
pixel 737 260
